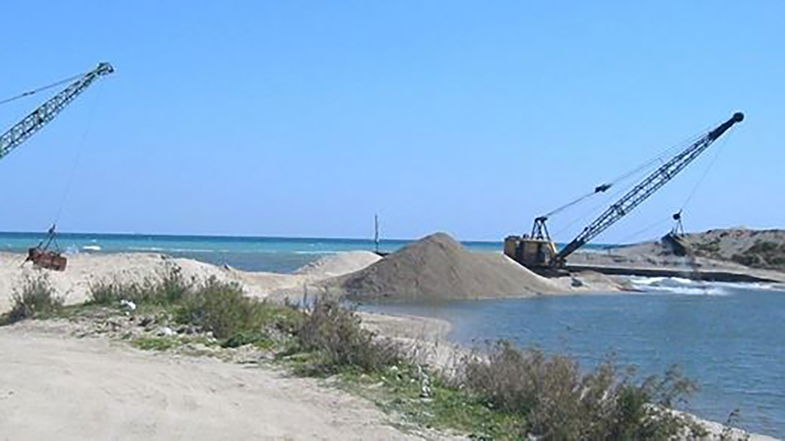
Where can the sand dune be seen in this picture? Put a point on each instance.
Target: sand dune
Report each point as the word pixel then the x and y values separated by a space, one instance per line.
pixel 84 269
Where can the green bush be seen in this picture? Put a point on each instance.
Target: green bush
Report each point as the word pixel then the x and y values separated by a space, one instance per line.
pixel 335 335
pixel 221 308
pixel 35 297
pixel 224 309
pixel 167 288
pixel 558 402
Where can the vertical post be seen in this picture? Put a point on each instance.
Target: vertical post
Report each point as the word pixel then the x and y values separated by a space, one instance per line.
pixel 376 232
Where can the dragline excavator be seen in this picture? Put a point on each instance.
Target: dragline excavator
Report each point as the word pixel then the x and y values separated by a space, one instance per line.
pixel 34 122
pixel 538 252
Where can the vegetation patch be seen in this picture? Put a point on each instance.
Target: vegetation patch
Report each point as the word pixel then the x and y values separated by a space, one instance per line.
pixel 335 335
pixel 762 254
pixel 423 399
pixel 219 308
pixel 556 400
pixel 35 298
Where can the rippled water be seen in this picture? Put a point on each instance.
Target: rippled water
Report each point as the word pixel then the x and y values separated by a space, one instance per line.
pixel 276 254
pixel 729 337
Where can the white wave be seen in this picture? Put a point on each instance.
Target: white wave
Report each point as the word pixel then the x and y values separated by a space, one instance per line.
pixel 679 285
pixel 145 249
pixel 707 290
pixel 91 248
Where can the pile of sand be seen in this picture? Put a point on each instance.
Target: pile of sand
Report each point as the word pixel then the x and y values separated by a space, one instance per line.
pixel 438 267
pixel 338 264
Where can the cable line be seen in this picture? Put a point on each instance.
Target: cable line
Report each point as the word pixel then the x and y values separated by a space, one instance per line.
pixel 41 89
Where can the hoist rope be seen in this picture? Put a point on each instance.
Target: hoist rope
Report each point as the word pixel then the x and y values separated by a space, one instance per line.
pixel 636 234
pixel 41 89
pixel 78 156
pixel 641 168
pixel 718 151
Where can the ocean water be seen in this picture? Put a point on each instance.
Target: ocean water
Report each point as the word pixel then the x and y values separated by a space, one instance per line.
pixel 728 337
pixel 276 254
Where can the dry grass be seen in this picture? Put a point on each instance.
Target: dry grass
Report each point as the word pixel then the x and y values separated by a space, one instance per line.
pixel 557 401
pixel 34 298
pixel 335 334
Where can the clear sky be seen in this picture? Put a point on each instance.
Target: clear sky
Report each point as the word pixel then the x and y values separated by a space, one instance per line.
pixel 303 118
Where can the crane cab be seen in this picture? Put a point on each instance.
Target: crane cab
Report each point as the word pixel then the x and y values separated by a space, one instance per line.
pixel 533 253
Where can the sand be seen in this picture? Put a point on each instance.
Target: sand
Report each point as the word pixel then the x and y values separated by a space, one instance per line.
pixel 84 269
pixel 437 267
pixel 90 388
pixel 756 248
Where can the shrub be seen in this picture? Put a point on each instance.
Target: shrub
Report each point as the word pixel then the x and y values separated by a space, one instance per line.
pixel 35 297
pixel 558 402
pixel 225 310
pixel 221 308
pixel 167 288
pixel 335 334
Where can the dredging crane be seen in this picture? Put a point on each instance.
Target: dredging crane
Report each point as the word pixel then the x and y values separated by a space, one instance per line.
pixel 46 112
pixel 538 252
pixel 35 121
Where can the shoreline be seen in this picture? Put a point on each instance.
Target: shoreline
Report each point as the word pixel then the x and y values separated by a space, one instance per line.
pixel 441 353
pixel 427 336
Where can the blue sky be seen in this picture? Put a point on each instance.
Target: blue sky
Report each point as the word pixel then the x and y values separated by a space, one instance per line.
pixel 304 118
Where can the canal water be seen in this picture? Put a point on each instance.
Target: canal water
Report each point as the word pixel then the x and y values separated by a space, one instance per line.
pixel 728 337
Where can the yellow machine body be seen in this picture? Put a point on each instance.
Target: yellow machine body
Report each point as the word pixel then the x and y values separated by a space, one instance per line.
pixel 530 252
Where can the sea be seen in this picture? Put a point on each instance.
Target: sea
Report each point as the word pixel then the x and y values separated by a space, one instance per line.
pixel 275 254
pixel 728 337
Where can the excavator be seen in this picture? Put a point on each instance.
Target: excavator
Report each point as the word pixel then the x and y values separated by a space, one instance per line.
pixel 41 255
pixel 539 253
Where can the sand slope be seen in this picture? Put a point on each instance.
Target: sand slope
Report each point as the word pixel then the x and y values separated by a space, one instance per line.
pixel 84 269
pixel 438 267
pixel 58 386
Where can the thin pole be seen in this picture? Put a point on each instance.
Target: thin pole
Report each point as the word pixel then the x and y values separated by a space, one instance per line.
pixel 376 232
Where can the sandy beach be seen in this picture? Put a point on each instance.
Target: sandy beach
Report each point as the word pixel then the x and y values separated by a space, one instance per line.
pixel 99 389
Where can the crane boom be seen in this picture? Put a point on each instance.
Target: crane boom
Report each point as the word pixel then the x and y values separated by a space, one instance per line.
pixel 646 188
pixel 39 117
pixel 539 253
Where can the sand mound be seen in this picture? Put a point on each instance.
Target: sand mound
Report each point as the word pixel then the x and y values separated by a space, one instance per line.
pixel 438 267
pixel 338 264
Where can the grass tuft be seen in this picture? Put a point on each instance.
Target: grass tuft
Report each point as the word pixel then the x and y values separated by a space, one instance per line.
pixel 335 334
pixel 34 298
